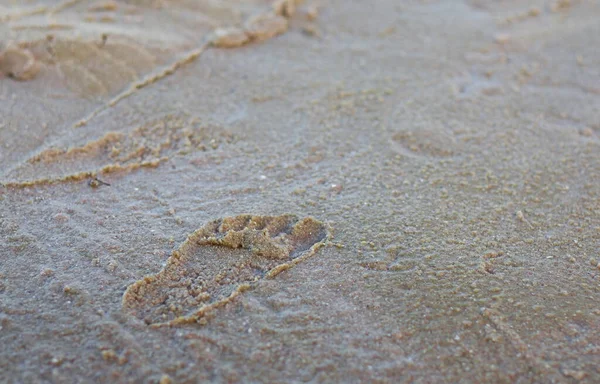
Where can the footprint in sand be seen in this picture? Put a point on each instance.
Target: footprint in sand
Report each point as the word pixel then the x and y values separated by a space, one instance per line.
pixel 425 143
pixel 146 145
pixel 394 260
pixel 220 261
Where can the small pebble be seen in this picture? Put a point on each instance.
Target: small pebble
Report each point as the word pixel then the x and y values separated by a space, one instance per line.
pixel 229 37
pixel 18 63
pixel 266 26
pixel 502 38
pixel 285 8
pixel 312 12
pixel 587 132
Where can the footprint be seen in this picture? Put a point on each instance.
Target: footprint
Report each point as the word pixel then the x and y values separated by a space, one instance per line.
pixel 394 260
pixel 153 141
pixel 220 261
pixel 425 142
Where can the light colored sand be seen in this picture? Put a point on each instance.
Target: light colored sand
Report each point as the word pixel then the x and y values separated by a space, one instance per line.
pixel 453 148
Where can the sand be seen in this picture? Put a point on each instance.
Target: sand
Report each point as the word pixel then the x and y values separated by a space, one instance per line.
pixel 317 191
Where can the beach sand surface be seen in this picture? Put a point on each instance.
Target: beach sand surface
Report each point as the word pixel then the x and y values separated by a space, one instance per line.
pixel 325 191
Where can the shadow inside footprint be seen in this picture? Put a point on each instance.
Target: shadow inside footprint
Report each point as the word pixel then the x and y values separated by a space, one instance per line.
pixel 218 262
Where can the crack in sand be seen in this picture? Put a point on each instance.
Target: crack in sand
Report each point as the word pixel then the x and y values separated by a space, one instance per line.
pixel 148 80
pixel 208 270
pixel 40 10
pixel 84 175
pixel 533 362
pixel 62 6
pixel 263 26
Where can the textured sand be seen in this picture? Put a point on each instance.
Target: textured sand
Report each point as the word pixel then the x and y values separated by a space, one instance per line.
pixel 430 170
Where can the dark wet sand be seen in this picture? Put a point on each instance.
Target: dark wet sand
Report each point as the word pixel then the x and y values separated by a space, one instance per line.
pixel 441 160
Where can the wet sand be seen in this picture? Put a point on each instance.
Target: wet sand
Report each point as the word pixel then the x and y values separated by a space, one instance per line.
pixel 331 191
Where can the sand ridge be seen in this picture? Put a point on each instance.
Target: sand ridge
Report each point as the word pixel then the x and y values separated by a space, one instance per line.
pixel 146 145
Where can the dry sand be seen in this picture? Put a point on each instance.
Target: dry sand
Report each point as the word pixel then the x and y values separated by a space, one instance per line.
pixel 333 191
